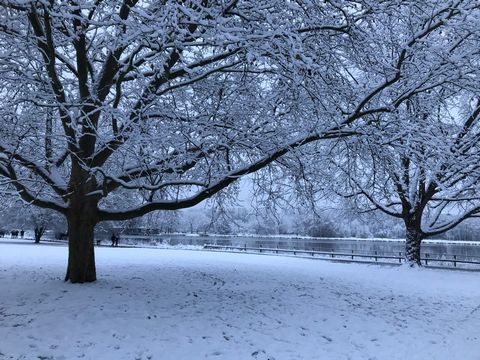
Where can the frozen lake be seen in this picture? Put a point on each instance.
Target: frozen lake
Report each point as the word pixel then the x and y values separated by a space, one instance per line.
pixel 463 249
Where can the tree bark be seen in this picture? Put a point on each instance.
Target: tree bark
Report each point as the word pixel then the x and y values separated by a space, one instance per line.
pixel 81 255
pixel 413 241
pixel 39 230
pixel 81 218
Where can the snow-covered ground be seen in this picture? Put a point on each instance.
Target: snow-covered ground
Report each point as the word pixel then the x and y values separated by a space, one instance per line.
pixel 181 304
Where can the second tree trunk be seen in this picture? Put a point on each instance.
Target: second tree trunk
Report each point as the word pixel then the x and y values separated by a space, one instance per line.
pixel 413 241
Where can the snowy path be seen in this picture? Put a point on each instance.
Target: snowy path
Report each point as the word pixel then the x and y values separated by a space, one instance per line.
pixel 179 304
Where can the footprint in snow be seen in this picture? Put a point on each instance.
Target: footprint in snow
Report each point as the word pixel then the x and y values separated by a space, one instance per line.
pixel 329 339
pixel 261 355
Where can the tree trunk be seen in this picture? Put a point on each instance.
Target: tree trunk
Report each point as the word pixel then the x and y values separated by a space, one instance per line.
pixel 81 256
pixel 38 234
pixel 81 218
pixel 413 241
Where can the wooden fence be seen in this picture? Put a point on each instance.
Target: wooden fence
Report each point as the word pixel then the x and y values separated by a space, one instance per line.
pixel 426 258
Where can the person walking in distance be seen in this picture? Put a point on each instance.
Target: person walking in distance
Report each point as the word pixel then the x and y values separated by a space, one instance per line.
pixel 114 239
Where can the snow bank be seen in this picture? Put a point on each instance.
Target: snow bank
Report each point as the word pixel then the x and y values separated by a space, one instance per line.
pixel 180 304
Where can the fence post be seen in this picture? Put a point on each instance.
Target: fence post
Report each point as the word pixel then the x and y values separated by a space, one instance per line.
pixel 426 258
pixel 376 258
pixel 455 260
pixel 352 254
pixel 400 257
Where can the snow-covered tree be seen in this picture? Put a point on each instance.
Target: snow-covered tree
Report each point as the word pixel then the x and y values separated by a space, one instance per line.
pixel 418 161
pixel 41 219
pixel 422 166
pixel 16 214
pixel 113 109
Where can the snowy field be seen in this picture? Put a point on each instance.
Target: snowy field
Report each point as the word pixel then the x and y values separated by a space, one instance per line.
pixel 181 304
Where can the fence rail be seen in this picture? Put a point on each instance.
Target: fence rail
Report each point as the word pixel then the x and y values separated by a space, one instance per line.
pixel 352 256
